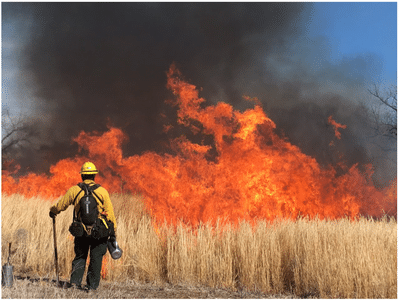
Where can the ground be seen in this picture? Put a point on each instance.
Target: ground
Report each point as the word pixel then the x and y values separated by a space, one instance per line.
pixel 34 288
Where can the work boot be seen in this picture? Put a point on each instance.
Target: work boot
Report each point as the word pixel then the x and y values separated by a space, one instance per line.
pixel 88 289
pixel 76 286
pixel 68 285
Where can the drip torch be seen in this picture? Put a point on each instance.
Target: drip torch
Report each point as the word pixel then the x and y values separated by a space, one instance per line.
pixel 7 271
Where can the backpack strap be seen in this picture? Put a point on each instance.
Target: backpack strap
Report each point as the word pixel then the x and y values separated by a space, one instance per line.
pixel 94 187
pixel 90 188
pixel 82 189
pixel 74 202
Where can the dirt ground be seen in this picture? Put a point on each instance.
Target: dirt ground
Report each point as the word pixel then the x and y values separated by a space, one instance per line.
pixel 34 288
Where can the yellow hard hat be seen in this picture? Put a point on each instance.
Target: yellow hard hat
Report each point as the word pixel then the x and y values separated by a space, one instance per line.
pixel 88 168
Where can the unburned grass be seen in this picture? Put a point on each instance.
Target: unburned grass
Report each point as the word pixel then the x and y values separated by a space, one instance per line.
pixel 317 258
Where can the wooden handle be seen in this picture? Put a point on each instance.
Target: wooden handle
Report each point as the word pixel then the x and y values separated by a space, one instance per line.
pixel 9 252
pixel 55 251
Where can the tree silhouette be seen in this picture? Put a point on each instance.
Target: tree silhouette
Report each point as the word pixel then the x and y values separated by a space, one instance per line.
pixel 384 111
pixel 17 132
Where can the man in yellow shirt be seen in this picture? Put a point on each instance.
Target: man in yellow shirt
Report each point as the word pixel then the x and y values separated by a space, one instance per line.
pixel 96 245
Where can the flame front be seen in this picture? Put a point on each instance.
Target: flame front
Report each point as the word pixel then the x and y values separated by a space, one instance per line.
pixel 255 175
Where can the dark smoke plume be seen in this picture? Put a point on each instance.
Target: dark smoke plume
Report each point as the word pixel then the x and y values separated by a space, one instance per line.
pixel 99 64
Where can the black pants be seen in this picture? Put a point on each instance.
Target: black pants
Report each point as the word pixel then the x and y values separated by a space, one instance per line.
pixel 97 250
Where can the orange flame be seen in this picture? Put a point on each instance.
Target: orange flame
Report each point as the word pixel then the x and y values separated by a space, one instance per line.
pixel 336 126
pixel 104 267
pixel 255 174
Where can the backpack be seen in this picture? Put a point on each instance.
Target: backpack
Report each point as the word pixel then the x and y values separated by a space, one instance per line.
pixel 87 222
pixel 88 212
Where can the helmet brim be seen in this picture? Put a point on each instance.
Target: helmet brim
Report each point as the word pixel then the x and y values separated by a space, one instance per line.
pixel 88 172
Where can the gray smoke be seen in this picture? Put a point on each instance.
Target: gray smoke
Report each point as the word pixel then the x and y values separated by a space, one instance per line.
pixel 99 64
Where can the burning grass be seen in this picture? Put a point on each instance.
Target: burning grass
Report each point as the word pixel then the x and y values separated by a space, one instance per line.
pixel 340 258
pixel 236 167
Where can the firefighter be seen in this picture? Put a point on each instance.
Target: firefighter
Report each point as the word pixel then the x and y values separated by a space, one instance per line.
pixel 97 247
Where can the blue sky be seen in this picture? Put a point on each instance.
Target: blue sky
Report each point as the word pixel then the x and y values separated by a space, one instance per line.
pixel 359 28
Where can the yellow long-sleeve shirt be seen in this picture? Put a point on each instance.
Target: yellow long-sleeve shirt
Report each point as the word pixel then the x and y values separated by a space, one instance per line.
pixel 105 208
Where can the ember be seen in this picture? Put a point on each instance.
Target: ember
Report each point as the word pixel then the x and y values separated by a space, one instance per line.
pixel 255 175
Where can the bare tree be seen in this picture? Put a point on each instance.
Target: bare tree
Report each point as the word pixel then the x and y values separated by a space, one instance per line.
pixel 17 132
pixel 384 111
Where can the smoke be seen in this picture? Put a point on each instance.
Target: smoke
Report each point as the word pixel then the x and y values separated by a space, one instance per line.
pixel 99 64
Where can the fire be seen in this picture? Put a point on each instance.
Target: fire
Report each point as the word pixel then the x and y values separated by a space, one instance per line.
pixel 255 174
pixel 104 267
pixel 336 126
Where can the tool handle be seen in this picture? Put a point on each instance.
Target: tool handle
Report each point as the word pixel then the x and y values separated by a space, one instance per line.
pixel 9 252
pixel 55 251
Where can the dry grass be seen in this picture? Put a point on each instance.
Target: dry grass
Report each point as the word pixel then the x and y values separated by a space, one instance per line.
pixel 309 258
pixel 130 289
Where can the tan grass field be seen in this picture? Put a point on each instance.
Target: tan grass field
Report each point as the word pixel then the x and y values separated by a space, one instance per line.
pixel 307 258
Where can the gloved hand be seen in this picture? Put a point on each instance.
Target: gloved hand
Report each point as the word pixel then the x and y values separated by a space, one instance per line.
pixel 52 215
